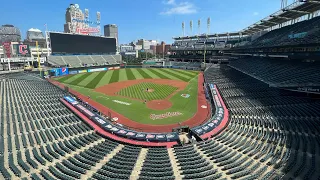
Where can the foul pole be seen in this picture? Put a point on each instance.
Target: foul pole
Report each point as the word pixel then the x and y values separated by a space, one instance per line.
pixel 39 68
pixel 204 54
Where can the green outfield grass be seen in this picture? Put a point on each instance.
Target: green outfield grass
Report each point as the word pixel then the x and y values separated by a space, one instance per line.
pixel 135 109
pixel 139 91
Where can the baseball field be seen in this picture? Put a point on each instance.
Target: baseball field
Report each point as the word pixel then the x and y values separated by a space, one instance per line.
pixel 146 96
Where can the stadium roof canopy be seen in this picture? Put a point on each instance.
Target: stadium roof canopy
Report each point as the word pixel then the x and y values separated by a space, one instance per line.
pixel 291 12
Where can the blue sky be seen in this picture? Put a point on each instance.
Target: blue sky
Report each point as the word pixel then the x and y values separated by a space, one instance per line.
pixel 148 19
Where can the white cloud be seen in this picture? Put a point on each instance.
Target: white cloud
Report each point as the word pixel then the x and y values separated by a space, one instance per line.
pixel 256 13
pixel 181 8
pixel 170 2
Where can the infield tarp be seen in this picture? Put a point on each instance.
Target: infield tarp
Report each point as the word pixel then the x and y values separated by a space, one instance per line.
pixel 120 131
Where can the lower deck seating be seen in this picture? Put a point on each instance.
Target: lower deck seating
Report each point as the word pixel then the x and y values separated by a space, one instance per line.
pixel 85 60
pixel 272 135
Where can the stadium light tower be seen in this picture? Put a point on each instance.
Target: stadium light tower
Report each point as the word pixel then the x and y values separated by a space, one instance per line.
pixel 284 3
pixel 191 27
pixel 182 29
pixel 208 25
pixel 199 26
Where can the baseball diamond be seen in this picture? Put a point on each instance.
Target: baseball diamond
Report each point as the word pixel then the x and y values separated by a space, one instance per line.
pixel 142 92
pixel 80 100
pixel 147 91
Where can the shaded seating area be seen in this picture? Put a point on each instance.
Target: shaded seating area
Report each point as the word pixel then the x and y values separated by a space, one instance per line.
pixel 280 73
pixel 301 33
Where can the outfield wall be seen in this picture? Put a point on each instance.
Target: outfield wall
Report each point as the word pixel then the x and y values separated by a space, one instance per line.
pixel 173 67
pixel 66 71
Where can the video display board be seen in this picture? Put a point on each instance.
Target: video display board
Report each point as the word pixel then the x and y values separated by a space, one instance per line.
pixel 81 44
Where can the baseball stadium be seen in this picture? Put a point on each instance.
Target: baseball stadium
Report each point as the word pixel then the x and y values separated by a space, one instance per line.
pixel 236 105
pixel 143 95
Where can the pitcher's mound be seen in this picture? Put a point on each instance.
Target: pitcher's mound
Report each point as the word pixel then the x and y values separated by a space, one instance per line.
pixel 159 104
pixel 150 90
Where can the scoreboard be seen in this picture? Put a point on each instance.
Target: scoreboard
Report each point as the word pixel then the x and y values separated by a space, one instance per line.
pixel 81 44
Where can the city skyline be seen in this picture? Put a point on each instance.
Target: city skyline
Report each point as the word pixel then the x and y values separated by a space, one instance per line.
pixel 161 20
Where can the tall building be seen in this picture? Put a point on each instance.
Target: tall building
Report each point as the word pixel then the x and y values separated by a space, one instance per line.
pixel 9 33
pixel 74 19
pixel 126 48
pixel 153 42
pixel 144 43
pixel 163 48
pixel 35 35
pixel 111 30
pixel 153 49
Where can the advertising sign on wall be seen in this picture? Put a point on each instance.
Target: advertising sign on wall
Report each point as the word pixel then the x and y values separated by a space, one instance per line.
pixel 63 71
pixel 311 89
pixel 82 71
pixel 60 71
pixel 7 49
pixel 23 49
pixel 73 72
pixel 89 30
pixel 55 72
pixel 98 69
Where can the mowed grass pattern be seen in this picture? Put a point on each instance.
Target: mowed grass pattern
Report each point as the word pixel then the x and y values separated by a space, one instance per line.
pixel 137 110
pixel 139 91
pixel 106 77
pixel 96 80
pixel 130 75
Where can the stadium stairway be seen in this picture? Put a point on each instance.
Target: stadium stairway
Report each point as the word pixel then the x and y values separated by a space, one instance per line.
pixel 220 173
pixel 175 165
pixel 193 165
pixel 138 165
pixel 99 165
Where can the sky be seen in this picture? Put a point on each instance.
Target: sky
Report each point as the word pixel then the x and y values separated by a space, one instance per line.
pixel 142 19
